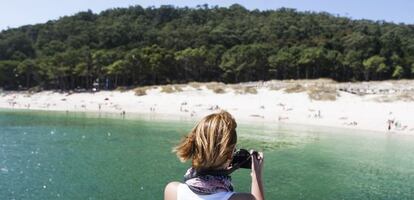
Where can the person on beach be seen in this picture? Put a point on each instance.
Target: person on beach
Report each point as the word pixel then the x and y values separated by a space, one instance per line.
pixel 389 124
pixel 210 146
pixel 391 120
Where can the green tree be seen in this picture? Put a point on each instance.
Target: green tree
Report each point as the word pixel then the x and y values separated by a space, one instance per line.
pixel 282 63
pixel 117 69
pixel 374 64
pixel 160 63
pixel 101 59
pixel 398 72
pixel 312 60
pixel 8 74
pixel 194 61
pixel 353 60
pixel 245 62
pixel 138 71
pixel 27 68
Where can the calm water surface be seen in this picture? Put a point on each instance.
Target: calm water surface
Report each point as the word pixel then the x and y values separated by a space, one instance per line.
pixel 52 155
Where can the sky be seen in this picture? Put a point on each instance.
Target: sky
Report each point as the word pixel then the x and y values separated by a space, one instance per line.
pixel 16 13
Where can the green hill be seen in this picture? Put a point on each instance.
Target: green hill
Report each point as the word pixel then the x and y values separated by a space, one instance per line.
pixel 144 46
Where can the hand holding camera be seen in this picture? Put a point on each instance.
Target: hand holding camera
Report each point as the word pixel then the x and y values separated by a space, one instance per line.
pixel 257 165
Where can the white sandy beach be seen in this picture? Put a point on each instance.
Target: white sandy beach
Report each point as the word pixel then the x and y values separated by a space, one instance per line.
pixel 368 111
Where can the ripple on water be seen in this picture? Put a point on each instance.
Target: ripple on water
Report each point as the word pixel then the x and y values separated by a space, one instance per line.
pixel 275 139
pixel 4 170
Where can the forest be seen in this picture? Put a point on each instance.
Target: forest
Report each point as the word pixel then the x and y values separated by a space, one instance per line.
pixel 136 46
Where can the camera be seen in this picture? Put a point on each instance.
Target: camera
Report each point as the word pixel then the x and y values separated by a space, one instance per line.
pixel 243 159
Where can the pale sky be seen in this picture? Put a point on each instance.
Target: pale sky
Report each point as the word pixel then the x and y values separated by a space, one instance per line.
pixel 16 13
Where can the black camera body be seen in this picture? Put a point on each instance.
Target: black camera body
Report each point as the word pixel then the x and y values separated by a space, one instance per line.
pixel 243 159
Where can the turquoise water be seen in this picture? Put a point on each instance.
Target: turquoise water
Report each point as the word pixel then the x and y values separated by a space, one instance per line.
pixel 53 155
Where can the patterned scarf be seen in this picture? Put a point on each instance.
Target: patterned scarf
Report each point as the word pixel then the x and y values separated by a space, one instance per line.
pixel 207 184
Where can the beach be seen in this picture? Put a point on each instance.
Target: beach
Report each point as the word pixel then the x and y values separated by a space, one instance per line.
pixel 385 106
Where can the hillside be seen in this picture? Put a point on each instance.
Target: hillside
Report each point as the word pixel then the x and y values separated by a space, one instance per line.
pixel 138 46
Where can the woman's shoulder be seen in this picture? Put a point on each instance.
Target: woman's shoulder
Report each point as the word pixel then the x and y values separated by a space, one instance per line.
pixel 172 188
pixel 170 192
pixel 242 196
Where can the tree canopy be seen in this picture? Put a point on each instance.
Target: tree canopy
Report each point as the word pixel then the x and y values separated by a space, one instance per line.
pixel 145 46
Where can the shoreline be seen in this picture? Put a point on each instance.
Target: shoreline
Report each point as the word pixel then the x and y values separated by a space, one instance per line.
pixel 264 105
pixel 187 119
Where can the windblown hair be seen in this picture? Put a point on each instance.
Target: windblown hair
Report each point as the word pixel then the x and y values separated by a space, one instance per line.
pixel 210 143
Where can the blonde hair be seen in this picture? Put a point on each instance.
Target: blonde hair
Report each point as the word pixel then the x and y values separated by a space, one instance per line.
pixel 210 143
